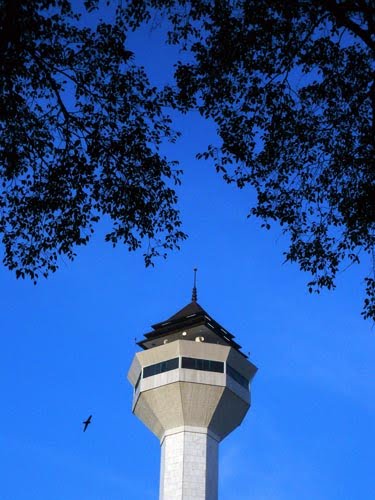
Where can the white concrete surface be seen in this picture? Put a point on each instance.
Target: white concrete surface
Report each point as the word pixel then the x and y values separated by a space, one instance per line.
pixel 189 466
pixel 190 411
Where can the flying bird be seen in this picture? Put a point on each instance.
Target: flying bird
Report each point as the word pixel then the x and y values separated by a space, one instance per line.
pixel 86 423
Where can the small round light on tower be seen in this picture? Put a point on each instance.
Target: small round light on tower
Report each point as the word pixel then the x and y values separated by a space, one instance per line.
pixel 199 339
pixel 184 334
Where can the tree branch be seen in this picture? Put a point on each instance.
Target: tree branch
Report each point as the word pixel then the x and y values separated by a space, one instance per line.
pixel 53 84
pixel 339 11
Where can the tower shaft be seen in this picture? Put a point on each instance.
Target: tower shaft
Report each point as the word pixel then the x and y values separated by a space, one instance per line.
pixel 189 465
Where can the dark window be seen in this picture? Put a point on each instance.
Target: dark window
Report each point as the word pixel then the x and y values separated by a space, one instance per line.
pixel 203 364
pixel 164 366
pixel 237 376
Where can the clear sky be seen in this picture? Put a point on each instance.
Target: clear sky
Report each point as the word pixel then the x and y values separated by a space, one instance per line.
pixel 67 343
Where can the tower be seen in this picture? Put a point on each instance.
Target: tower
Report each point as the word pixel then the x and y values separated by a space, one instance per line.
pixel 191 389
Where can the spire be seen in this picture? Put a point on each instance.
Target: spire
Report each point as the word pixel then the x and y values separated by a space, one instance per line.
pixel 194 294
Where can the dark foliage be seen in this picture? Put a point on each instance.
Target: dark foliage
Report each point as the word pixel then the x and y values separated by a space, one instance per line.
pixel 80 130
pixel 291 88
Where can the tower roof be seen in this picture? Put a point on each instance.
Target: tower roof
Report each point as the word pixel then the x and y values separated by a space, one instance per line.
pixel 192 308
pixel 188 323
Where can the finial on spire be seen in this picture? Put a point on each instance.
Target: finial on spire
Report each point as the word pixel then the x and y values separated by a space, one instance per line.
pixel 194 294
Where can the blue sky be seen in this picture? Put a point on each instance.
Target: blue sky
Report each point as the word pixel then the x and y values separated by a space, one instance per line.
pixel 67 343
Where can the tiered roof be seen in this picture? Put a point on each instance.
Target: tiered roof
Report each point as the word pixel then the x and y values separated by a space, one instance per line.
pixel 191 318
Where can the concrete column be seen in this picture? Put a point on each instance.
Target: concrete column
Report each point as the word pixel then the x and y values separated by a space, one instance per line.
pixel 189 465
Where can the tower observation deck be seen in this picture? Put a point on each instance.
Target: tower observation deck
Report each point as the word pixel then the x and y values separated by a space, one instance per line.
pixel 191 389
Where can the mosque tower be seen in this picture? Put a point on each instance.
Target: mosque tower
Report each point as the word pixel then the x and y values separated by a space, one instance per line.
pixel 191 389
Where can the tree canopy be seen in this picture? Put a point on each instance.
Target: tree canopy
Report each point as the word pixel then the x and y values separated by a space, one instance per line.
pixel 81 128
pixel 289 85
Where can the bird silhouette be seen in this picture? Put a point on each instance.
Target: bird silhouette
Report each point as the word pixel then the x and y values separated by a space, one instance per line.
pixel 86 423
